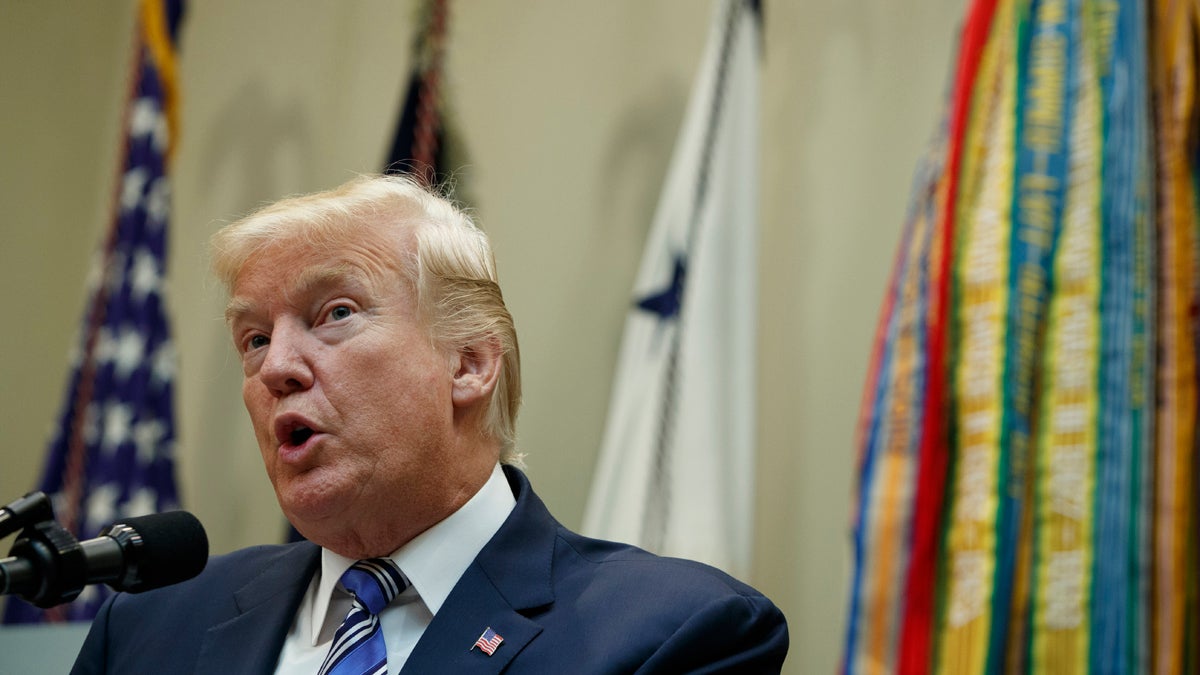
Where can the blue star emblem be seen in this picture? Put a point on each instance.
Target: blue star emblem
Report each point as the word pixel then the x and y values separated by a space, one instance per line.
pixel 667 302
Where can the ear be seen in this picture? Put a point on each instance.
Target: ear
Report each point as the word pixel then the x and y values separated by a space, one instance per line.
pixel 477 373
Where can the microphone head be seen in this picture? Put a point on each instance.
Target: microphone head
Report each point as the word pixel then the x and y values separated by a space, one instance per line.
pixel 173 548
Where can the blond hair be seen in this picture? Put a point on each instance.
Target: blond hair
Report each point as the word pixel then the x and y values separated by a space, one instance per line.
pixel 451 268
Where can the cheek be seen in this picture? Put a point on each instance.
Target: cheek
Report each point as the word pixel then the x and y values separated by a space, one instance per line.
pixel 406 408
pixel 249 397
pixel 256 399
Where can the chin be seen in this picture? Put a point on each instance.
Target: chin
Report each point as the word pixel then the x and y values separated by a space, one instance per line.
pixel 307 505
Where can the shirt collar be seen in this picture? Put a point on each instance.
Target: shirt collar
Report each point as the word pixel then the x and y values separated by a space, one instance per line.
pixel 435 559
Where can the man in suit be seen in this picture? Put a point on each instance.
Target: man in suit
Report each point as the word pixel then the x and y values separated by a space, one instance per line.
pixel 382 378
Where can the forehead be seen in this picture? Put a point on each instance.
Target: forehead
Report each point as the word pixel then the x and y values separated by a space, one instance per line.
pixel 289 269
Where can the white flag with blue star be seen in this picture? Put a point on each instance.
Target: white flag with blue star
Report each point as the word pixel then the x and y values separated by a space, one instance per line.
pixel 676 468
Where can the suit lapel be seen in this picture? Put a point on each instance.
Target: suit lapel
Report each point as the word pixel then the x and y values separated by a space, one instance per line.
pixel 265 606
pixel 448 642
pixel 509 577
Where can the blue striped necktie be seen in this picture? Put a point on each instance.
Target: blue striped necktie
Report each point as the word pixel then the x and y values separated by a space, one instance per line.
pixel 358 647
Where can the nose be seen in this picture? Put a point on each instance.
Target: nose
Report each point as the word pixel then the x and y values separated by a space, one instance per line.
pixel 286 366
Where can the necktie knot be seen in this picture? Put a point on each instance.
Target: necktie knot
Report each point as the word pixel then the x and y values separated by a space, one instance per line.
pixel 374 583
pixel 358 645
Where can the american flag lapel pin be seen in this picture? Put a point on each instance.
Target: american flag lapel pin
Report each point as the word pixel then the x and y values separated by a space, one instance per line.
pixel 488 642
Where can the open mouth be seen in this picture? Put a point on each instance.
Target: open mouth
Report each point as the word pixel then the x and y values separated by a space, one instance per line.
pixel 299 435
pixel 293 430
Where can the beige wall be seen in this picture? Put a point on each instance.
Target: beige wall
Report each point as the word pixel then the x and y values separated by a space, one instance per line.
pixel 569 109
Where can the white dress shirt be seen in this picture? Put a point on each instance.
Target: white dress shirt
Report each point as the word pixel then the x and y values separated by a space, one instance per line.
pixel 432 563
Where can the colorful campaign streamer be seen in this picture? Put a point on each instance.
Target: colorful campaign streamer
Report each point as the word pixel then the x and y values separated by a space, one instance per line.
pixel 1027 445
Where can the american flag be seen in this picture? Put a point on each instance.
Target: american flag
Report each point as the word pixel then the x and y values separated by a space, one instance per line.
pixel 112 453
pixel 488 642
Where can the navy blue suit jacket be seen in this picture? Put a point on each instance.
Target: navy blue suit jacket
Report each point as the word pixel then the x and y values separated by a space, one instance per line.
pixel 563 603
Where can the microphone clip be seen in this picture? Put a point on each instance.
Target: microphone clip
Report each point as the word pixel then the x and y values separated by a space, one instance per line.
pixel 47 567
pixel 32 508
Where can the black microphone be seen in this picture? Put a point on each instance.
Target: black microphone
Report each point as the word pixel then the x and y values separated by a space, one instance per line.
pixel 48 567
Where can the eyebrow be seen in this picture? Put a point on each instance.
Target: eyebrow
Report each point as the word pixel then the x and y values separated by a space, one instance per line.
pixel 236 308
pixel 309 280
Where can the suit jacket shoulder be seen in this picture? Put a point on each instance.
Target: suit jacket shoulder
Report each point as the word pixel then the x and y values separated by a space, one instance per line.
pixel 563 602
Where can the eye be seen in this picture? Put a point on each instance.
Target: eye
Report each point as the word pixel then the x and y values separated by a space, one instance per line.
pixel 340 312
pixel 257 341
